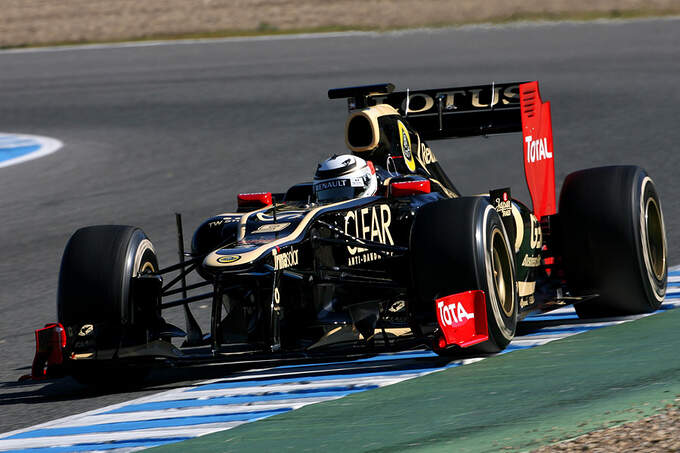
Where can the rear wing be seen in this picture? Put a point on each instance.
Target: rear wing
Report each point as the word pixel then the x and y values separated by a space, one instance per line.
pixel 442 113
pixel 458 112
pixel 469 111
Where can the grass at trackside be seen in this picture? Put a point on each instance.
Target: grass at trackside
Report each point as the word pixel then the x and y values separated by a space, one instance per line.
pixel 516 401
pixel 266 29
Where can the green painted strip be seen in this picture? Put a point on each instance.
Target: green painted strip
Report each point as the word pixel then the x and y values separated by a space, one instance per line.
pixel 519 400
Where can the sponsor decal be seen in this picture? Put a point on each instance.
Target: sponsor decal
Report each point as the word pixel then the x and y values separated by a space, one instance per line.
pixel 479 98
pixel 453 314
pixel 223 221
pixel 536 240
pixel 526 301
pixel 537 150
pixel 526 288
pixel 228 259
pixel 363 258
pixel 284 260
pixel 531 261
pixel 425 154
pixel 331 184
pixel 359 181
pixel 271 228
pixel 501 200
pixel 417 102
pixel 406 147
pixel 86 330
pixel 372 224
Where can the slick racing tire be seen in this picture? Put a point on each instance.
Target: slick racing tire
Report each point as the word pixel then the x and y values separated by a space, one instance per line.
pixel 461 244
pixel 613 241
pixel 94 298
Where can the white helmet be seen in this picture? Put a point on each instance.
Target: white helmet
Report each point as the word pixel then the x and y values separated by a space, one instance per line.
pixel 344 177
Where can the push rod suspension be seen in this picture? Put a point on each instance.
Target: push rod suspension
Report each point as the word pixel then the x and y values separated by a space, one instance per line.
pixel 179 266
pixel 187 300
pixel 179 277
pixel 187 288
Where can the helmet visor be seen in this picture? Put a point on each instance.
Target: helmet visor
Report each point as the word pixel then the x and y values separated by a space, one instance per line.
pixel 336 190
pixel 344 193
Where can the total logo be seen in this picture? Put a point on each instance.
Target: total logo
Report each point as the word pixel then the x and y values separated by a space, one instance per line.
pixel 453 314
pixel 537 149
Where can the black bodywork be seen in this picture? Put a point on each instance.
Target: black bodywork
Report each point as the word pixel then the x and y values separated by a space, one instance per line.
pixel 350 266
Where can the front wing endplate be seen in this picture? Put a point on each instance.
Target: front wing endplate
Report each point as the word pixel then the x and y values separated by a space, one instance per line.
pixel 462 319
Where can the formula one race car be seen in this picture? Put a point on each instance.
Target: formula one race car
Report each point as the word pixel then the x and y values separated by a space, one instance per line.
pixel 379 252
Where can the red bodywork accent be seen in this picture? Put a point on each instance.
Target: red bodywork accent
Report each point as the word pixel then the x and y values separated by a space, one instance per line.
pixel 539 161
pixel 405 188
pixel 50 342
pixel 371 166
pixel 250 200
pixel 462 319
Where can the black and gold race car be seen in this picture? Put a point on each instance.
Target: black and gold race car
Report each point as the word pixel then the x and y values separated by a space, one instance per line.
pixel 416 263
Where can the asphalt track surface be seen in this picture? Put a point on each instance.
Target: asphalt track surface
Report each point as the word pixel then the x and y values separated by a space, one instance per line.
pixel 149 131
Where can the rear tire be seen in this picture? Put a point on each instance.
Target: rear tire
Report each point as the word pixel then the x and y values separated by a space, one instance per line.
pixel 614 241
pixel 458 245
pixel 95 301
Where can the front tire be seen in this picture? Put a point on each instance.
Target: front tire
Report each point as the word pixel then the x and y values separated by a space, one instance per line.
pixel 95 300
pixel 458 245
pixel 614 241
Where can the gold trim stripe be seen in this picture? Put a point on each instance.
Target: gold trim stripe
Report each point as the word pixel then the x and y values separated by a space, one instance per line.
pixel 248 257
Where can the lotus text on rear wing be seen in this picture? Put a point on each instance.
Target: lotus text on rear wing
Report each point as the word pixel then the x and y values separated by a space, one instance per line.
pixel 455 99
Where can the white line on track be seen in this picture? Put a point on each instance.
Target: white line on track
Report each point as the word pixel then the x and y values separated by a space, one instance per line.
pixel 224 403
pixel 25 147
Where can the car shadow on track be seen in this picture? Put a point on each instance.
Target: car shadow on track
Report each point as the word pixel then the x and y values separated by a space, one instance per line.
pixel 171 376
pixel 168 378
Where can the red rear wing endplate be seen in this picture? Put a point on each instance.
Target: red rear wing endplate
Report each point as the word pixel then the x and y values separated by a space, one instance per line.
pixel 539 160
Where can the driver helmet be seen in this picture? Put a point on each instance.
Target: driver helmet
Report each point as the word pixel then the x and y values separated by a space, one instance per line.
pixel 344 177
